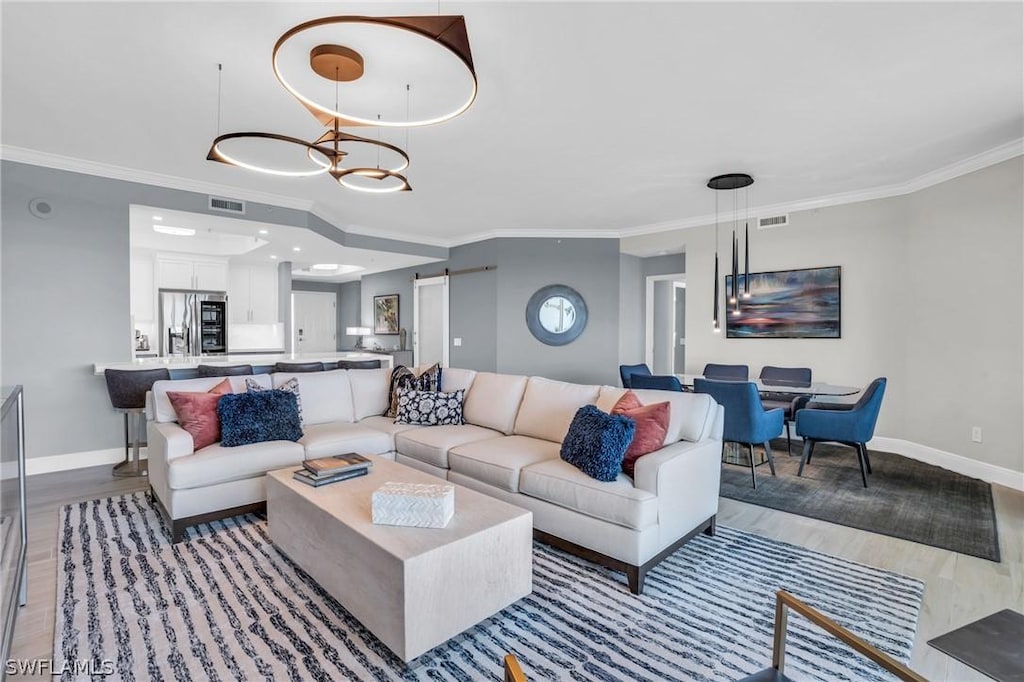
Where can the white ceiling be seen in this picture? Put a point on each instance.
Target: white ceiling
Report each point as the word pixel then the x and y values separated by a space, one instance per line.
pixel 251 242
pixel 591 117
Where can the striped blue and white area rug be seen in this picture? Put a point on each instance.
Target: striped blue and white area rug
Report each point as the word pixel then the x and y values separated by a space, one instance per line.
pixel 226 605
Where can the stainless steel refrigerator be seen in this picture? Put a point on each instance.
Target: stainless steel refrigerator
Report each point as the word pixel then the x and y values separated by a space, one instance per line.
pixel 193 322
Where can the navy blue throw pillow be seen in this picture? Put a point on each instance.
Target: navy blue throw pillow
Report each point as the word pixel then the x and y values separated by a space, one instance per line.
pixel 257 417
pixel 597 442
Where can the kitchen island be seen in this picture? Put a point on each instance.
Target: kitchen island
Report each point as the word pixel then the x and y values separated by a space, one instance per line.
pixel 182 367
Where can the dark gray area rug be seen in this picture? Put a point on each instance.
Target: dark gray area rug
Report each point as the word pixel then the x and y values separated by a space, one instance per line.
pixel 226 605
pixel 906 499
pixel 992 645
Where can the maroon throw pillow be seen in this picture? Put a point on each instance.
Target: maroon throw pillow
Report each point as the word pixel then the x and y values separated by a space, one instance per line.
pixel 197 413
pixel 651 427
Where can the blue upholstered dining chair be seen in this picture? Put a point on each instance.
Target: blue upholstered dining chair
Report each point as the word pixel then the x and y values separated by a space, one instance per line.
pixel 726 372
pixel 626 372
pixel 746 421
pixel 790 376
pixel 661 382
pixel 854 426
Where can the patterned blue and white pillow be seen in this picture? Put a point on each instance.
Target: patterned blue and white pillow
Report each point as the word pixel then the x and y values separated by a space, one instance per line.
pixel 429 408
pixel 290 386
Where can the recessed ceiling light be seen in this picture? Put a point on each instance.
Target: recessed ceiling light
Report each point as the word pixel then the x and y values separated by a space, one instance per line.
pixel 158 218
pixel 296 248
pixel 273 258
pixel 176 231
pixel 264 231
pixel 325 266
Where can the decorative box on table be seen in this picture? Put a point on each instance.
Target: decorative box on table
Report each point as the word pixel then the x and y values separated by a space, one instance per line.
pixel 424 505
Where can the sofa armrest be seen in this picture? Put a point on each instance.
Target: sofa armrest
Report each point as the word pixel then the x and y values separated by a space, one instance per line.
pixel 686 477
pixel 167 441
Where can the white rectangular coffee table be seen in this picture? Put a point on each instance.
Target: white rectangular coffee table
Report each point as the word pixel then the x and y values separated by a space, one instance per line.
pixel 414 588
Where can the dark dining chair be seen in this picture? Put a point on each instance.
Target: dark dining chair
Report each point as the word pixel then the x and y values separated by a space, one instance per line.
pixel 746 421
pixel 854 426
pixel 627 372
pixel 297 367
pixel 228 371
pixel 660 382
pixel 726 372
pixel 788 376
pixel 127 390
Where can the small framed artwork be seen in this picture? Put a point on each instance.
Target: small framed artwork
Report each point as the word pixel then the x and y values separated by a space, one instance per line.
pixel 385 314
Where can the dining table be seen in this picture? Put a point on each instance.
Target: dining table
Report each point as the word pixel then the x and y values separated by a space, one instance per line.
pixel 812 389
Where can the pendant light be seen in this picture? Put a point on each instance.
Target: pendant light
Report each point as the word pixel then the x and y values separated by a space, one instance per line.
pixel 732 182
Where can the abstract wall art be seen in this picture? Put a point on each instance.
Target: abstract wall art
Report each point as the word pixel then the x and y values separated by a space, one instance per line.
pixel 788 304
pixel 385 314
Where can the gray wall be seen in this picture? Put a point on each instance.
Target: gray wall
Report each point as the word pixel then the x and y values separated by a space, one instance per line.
pixel 680 350
pixel 65 284
pixel 348 312
pixel 932 298
pixel 488 309
pixel 631 309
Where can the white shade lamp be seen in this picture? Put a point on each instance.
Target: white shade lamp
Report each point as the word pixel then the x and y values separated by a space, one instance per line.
pixel 359 333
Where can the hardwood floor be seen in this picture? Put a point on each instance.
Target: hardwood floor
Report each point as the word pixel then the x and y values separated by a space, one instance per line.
pixel 958 588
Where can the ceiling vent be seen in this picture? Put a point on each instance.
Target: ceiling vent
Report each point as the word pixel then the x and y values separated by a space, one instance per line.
pixel 772 221
pixel 227 205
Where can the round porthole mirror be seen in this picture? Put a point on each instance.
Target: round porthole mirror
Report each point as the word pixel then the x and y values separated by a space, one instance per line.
pixel 556 315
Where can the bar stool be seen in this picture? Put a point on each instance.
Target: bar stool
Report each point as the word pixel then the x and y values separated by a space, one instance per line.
pixel 127 389
pixel 228 371
pixel 358 364
pixel 296 367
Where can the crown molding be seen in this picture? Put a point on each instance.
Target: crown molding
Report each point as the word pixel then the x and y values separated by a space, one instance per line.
pixel 105 170
pixel 991 157
pixel 970 164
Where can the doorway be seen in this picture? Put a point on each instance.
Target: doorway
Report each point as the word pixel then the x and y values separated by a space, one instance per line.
pixel 665 324
pixel 430 321
pixel 314 322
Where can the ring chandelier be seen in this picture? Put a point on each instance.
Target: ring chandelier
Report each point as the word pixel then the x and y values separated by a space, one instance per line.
pixel 311 53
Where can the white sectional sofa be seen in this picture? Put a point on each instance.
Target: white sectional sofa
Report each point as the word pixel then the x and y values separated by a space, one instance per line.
pixel 508 448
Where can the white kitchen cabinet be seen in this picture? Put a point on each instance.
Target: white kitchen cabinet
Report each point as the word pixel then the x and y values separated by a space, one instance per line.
pixel 191 272
pixel 252 294
pixel 211 276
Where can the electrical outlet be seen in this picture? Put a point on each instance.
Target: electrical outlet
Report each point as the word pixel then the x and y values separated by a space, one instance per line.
pixel 976 434
pixel 457 341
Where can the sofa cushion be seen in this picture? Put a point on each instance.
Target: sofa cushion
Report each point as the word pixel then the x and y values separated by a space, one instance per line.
pixel 429 408
pixel 197 414
pixel 691 414
pixel 548 407
pixel 651 426
pixel 326 396
pixel 428 379
pixel 369 391
pixel 387 426
pixel 563 484
pixel 493 401
pixel 597 442
pixel 164 412
pixel 256 417
pixel 218 464
pixel 498 461
pixel 608 396
pixel 455 379
pixel 431 444
pixel 338 438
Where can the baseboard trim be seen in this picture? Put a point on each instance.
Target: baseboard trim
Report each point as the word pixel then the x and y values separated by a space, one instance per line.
pixel 75 460
pixel 948 460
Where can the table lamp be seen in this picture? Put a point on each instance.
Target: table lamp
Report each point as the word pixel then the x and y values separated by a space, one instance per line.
pixel 359 333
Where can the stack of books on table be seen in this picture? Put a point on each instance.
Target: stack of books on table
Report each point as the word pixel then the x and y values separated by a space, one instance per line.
pixel 324 470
